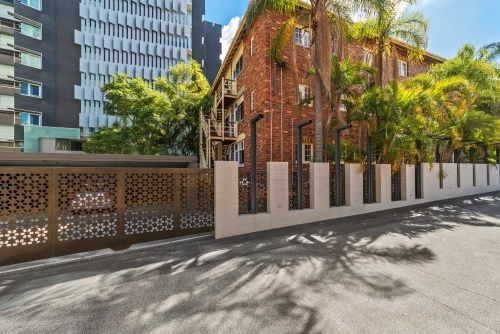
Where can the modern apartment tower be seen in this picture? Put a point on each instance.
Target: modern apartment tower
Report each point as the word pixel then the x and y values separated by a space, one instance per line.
pixel 55 55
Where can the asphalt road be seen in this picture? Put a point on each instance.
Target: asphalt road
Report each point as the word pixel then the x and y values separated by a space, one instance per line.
pixel 430 268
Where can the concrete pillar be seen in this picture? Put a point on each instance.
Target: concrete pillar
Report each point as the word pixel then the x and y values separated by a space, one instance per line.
pixel 383 184
pixel 226 198
pixel 354 189
pixel 277 194
pixel 466 179
pixel 320 189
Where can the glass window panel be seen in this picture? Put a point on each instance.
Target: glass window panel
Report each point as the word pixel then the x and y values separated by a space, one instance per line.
pixel 34 120
pixel 34 90
pixel 35 3
pixel 24 58
pixel 24 88
pixel 35 61
pixel 25 118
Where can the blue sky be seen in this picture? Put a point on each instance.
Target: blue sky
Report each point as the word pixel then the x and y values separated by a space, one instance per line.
pixel 453 22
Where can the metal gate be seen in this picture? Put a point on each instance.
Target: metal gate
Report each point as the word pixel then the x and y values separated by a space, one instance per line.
pixel 48 212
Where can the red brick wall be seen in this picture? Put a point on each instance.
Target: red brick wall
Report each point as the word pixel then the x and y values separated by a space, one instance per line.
pixel 276 133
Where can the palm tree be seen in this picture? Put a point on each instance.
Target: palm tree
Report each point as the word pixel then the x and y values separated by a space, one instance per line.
pixel 480 70
pixel 328 20
pixel 384 23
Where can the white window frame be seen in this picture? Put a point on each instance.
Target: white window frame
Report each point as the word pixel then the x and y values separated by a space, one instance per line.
pixel 251 47
pixel 32 25
pixel 29 89
pixel 405 72
pixel 304 91
pixel 29 1
pixel 31 55
pixel 252 100
pixel 368 57
pixel 29 119
pixel 302 36
pixel 236 107
pixel 342 106
pixel 236 74
pixel 311 158
pixel 239 152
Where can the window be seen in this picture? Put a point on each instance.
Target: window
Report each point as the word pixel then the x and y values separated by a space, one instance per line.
pixel 252 101
pixel 403 68
pixel 307 152
pixel 30 30
pixel 251 47
pixel 368 57
pixel 29 59
pixel 30 119
pixel 342 105
pixel 305 94
pixel 30 89
pixel 302 37
pixel 239 150
pixel 32 3
pixel 238 67
pixel 239 112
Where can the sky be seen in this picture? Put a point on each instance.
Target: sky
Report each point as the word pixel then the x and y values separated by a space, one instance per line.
pixel 453 23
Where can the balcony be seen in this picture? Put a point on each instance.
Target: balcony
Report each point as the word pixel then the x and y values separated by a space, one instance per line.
pixel 226 93
pixel 220 130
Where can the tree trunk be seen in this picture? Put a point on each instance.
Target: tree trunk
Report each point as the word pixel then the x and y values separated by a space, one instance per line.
pixel 318 120
pixel 380 66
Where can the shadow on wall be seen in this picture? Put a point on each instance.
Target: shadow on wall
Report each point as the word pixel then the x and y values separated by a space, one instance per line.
pixel 275 285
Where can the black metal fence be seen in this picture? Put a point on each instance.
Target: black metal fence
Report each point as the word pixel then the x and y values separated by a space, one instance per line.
pixel 396 186
pixel 332 185
pixel 373 186
pixel 306 190
pixel 245 193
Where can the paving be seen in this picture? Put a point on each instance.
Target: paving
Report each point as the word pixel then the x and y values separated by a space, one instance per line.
pixel 427 268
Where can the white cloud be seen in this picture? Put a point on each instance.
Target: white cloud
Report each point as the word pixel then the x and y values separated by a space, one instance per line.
pixel 228 32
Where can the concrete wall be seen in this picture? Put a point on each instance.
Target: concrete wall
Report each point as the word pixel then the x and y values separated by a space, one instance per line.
pixel 229 223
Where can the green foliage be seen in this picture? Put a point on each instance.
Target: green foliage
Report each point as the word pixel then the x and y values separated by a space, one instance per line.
pixel 440 108
pixel 151 121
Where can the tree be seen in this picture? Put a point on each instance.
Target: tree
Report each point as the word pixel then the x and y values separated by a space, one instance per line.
pixel 328 20
pixel 384 23
pixel 480 70
pixel 160 120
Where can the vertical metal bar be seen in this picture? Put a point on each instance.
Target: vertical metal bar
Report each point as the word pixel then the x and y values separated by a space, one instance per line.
pixel 337 162
pixel 299 164
pixel 253 169
pixel 472 151
pixel 337 168
pixel 253 163
pixel 369 175
pixel 299 168
pixel 438 155
pixel 418 172
pixel 456 156
pixel 485 149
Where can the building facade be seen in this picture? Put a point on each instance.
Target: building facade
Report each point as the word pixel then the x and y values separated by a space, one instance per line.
pixel 249 83
pixel 60 55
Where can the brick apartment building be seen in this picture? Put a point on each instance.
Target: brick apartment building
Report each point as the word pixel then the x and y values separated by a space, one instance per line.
pixel 249 83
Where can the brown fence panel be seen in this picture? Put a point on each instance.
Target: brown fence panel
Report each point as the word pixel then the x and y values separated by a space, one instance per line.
pixel 333 194
pixel 373 185
pixel 196 201
pixel 25 214
pixel 306 190
pixel 149 205
pixel 87 207
pixel 48 212
pixel 245 193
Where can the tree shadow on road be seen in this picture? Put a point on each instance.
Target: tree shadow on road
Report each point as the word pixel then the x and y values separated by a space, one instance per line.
pixel 288 280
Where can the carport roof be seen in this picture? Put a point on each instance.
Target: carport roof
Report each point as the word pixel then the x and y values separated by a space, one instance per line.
pixel 95 160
